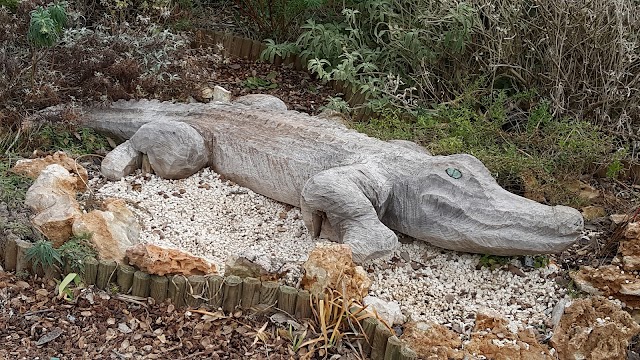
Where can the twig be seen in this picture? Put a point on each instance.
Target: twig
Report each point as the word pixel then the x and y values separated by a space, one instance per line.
pixel 30 313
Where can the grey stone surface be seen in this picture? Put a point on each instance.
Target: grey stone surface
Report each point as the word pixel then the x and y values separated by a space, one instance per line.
pixel 359 187
pixel 410 145
pixel 262 101
pixel 121 161
pixel 175 149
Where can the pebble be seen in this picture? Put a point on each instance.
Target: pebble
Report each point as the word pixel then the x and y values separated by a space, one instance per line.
pixel 217 219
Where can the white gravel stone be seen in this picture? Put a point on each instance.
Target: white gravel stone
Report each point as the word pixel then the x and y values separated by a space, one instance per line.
pixel 217 220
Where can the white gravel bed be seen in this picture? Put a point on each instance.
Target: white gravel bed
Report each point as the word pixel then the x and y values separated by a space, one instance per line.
pixel 217 220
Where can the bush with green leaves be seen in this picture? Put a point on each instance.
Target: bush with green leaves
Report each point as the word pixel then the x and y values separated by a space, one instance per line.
pixel 416 53
pixel 46 25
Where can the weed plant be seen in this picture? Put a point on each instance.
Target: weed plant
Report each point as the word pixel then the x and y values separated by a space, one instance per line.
pixel 75 250
pixel 43 254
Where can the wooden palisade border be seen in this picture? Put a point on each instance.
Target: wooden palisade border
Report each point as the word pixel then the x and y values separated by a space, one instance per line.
pixel 229 293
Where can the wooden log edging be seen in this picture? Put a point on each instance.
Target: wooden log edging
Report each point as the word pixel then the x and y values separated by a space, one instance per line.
pixel 229 293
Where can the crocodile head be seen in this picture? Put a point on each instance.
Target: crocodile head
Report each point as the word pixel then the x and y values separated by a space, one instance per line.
pixel 456 204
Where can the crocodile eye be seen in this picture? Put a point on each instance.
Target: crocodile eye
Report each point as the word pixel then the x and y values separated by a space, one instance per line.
pixel 454 173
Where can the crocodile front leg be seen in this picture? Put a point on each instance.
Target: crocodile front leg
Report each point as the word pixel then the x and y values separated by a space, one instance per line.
pixel 353 198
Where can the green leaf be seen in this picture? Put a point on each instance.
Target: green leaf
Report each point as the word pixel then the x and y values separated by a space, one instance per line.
pixel 62 288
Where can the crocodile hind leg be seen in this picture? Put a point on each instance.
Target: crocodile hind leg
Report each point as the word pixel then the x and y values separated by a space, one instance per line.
pixel 352 198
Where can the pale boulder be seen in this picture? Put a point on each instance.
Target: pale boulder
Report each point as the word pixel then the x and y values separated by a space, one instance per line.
pixel 113 230
pixel 175 149
pixel 52 197
pixel 33 167
pixel 331 267
pixel 594 328
pixel 389 311
pixel 162 261
pixel 121 161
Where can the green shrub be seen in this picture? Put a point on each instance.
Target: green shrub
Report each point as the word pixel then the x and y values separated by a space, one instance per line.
pixel 76 250
pixel 44 255
pixel 46 25
pixel 416 53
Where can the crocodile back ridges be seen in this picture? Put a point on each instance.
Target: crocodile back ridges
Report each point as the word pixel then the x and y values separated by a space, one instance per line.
pixel 275 152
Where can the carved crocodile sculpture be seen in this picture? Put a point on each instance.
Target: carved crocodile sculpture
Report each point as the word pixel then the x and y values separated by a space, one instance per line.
pixel 355 188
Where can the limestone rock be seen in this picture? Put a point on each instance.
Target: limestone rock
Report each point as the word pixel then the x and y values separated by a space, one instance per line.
pixel 121 161
pixel 332 267
pixel 113 230
pixel 389 311
pixel 162 261
pixel 432 341
pixel 618 219
pixel 629 248
pixel 495 337
pixel 221 94
pixel 53 200
pixel 33 167
pixel 175 149
pixel 595 329
pixel 609 280
pixel 262 101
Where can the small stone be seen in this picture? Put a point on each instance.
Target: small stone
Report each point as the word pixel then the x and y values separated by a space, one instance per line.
pixel 389 311
pixel 162 261
pixel 591 213
pixel 221 94
pixel 405 256
pixel 121 161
